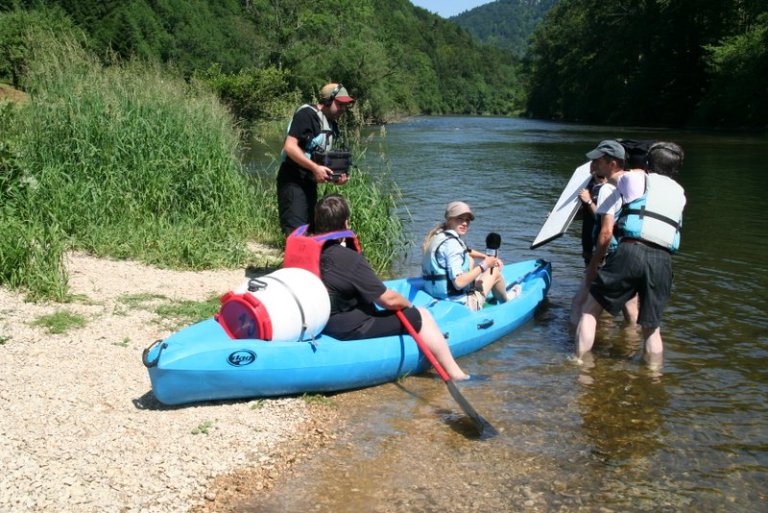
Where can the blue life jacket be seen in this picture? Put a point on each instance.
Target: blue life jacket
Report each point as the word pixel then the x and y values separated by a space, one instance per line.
pixel 436 281
pixel 656 216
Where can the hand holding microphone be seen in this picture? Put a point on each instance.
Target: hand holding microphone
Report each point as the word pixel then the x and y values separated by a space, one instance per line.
pixel 492 244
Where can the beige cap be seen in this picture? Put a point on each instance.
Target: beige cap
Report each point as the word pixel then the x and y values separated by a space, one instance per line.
pixel 337 92
pixel 457 208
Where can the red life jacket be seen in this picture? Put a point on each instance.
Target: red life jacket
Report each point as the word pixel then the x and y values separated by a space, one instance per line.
pixel 304 250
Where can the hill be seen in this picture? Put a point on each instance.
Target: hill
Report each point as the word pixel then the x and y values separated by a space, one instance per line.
pixel 398 58
pixel 505 24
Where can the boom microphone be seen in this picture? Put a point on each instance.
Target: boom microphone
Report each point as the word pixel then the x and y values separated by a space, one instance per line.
pixel 492 243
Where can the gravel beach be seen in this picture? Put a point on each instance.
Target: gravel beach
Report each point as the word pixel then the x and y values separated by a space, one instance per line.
pixel 80 430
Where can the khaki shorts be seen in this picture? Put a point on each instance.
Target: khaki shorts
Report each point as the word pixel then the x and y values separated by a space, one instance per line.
pixel 475 300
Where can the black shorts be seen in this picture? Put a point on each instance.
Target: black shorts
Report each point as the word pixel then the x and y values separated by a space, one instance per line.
pixel 635 268
pixel 379 324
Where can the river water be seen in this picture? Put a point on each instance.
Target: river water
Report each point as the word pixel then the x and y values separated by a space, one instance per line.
pixel 614 437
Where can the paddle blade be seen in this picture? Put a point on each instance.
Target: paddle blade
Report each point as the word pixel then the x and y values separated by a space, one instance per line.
pixel 484 427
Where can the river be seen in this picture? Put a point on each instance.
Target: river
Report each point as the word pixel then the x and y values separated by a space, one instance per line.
pixel 614 437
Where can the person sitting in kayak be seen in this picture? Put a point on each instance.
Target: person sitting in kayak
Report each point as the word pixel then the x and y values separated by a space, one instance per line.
pixel 448 266
pixel 355 291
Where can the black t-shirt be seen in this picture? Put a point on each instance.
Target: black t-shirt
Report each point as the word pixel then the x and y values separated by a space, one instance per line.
pixel 353 287
pixel 305 126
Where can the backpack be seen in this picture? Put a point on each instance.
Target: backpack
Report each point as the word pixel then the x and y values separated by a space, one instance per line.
pixel 637 153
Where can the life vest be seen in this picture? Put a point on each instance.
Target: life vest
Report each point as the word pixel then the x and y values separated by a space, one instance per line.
pixel 321 142
pixel 656 216
pixel 436 281
pixel 304 251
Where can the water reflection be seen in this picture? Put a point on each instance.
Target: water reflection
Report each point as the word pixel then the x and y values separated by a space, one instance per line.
pixel 622 409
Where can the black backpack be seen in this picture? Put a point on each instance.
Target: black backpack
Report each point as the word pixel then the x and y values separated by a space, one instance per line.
pixel 637 153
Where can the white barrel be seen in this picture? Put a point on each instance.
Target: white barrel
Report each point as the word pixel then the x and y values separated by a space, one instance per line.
pixel 295 300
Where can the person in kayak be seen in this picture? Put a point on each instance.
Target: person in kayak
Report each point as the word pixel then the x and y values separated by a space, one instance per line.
pixel 355 292
pixel 448 266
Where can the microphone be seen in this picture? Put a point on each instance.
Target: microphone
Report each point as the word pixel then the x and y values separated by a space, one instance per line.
pixel 492 243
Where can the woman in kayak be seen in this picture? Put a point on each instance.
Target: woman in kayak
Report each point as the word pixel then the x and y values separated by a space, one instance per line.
pixel 355 291
pixel 448 266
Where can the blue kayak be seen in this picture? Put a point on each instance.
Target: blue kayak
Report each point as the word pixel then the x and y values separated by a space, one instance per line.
pixel 202 362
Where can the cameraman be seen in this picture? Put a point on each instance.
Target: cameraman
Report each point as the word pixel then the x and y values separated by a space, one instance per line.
pixel 311 131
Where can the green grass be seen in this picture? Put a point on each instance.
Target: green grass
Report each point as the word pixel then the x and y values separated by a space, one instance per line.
pixel 257 404
pixel 139 301
pixel 132 162
pixel 182 313
pixel 203 428
pixel 60 322
pixel 317 399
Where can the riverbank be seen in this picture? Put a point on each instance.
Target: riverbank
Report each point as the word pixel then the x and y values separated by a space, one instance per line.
pixel 81 431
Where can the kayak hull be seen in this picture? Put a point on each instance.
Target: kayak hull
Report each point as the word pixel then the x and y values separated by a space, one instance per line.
pixel 202 363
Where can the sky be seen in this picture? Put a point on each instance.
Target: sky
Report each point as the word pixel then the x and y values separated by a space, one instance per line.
pixel 448 8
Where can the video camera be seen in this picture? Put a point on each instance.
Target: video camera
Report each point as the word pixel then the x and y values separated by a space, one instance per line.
pixel 340 161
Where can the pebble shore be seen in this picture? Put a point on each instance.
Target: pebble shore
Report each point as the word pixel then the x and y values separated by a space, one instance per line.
pixel 81 432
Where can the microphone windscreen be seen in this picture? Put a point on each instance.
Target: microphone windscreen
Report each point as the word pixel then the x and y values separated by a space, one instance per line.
pixel 493 241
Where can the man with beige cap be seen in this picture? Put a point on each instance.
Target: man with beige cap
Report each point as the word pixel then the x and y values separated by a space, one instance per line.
pixel 448 266
pixel 312 130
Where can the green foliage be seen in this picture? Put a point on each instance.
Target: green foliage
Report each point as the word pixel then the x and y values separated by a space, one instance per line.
pixel 261 55
pixel 253 93
pixel 505 24
pixel 14 47
pixel 203 428
pixel 183 313
pixel 371 191
pixel 318 400
pixel 739 65
pixel 625 62
pixel 125 161
pixel 60 322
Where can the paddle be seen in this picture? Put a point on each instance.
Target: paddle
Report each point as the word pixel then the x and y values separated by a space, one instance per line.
pixel 485 429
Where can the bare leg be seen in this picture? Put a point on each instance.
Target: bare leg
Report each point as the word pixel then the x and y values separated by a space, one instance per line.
pixel 577 303
pixel 436 343
pixel 585 332
pixel 493 282
pixel 654 347
pixel 631 309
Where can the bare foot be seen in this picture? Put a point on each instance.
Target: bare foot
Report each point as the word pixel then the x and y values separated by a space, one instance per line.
pixel 514 291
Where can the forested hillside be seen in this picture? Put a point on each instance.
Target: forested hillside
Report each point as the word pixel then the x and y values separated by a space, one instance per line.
pixel 397 58
pixel 664 63
pixel 505 24
pixel 657 62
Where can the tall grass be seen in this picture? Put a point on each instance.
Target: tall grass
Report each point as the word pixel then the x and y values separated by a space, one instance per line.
pixel 372 193
pixel 125 161
pixel 128 161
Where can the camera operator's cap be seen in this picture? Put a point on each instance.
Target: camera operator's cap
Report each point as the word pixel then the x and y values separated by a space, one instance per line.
pixel 457 208
pixel 611 148
pixel 341 95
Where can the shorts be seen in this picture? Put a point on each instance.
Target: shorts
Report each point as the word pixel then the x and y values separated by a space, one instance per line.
pixel 635 268
pixel 382 323
pixel 475 300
